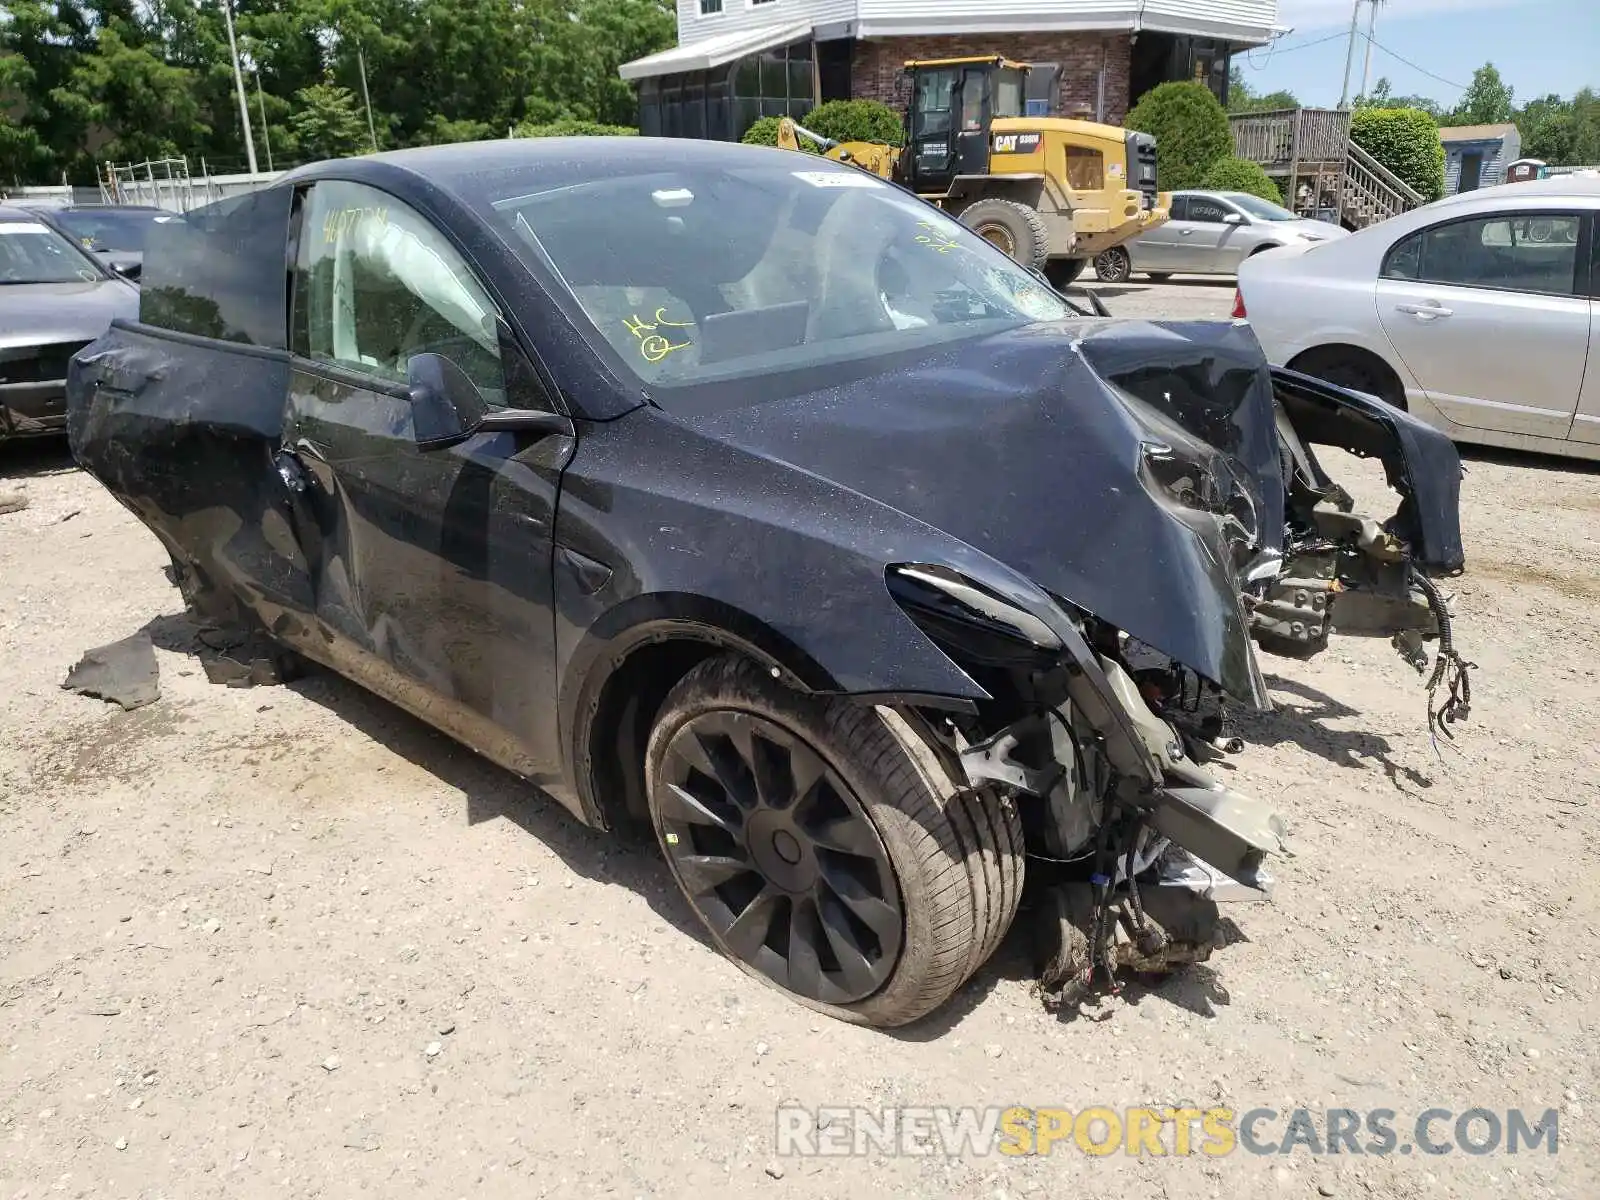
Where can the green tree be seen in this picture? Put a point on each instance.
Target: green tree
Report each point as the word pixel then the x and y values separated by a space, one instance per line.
pixel 327 122
pixel 1190 128
pixel 1487 100
pixel 1382 96
pixel 1554 139
pixel 1243 99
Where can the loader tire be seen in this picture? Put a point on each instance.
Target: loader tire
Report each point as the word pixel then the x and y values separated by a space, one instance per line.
pixel 1015 228
pixel 887 831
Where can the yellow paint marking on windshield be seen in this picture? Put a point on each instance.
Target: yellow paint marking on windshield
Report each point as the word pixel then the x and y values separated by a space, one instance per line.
pixel 343 220
pixel 939 243
pixel 655 346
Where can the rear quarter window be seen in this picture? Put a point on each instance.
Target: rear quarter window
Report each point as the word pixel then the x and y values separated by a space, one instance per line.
pixel 221 271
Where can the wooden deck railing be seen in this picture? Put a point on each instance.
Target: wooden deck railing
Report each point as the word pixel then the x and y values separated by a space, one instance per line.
pixel 1282 136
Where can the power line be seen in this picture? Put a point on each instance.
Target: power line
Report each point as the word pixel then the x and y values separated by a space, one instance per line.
pixel 1276 50
pixel 1460 87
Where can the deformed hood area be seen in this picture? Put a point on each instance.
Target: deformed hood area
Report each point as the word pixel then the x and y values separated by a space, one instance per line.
pixel 1035 447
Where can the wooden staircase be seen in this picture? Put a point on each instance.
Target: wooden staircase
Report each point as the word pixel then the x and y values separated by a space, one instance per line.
pixel 1321 172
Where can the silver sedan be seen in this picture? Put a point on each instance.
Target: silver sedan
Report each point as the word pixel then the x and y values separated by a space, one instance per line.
pixel 1477 313
pixel 1210 233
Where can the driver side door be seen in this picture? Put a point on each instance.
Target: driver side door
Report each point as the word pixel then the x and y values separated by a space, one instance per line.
pixel 1198 239
pixel 430 566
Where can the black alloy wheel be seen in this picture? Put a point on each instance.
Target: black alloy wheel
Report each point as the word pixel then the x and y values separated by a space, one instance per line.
pixel 778 857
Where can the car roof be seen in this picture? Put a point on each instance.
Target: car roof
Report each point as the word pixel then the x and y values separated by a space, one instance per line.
pixel 12 213
pixel 453 166
pixel 1557 187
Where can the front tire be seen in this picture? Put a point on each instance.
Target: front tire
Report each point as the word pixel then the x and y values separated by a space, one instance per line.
pixel 1063 272
pixel 1014 228
pixel 825 847
pixel 1113 265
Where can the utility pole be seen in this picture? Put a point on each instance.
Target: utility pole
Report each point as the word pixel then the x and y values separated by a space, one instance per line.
pixel 366 98
pixel 238 81
pixel 1372 25
pixel 261 99
pixel 1350 54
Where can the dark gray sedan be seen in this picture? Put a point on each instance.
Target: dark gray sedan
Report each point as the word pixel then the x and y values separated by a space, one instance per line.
pixel 113 233
pixel 55 298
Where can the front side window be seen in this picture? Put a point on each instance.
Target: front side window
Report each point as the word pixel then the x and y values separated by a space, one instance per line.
pixel 1201 208
pixel 376 283
pixel 32 252
pixel 695 275
pixel 1535 252
pixel 1261 210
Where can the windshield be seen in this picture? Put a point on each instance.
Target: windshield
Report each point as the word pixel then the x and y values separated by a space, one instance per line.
pixel 1261 210
pixel 706 273
pixel 110 230
pixel 35 253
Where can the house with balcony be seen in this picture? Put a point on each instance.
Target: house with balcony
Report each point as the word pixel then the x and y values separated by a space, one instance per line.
pixel 738 60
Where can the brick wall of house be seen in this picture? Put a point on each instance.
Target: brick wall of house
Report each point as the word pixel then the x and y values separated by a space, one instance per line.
pixel 878 66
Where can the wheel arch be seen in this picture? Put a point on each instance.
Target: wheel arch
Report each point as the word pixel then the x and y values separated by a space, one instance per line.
pixel 623 669
pixel 1314 356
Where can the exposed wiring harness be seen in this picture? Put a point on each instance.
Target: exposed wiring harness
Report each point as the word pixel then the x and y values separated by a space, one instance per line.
pixel 1448 667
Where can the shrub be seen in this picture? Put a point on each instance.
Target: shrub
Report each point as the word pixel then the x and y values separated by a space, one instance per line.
pixel 1190 128
pixel 856 121
pixel 1239 175
pixel 1406 140
pixel 570 128
pixel 841 120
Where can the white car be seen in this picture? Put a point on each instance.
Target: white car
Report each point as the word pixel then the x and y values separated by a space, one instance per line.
pixel 1479 313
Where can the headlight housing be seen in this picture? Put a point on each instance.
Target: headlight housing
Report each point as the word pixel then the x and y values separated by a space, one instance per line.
pixel 969 620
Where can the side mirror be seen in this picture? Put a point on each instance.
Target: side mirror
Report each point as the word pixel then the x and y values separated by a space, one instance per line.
pixel 1233 219
pixel 128 271
pixel 446 406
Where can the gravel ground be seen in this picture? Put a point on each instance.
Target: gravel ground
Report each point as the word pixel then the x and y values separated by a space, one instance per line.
pixel 287 941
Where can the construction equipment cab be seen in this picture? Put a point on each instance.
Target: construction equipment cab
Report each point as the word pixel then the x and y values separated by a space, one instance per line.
pixel 1050 192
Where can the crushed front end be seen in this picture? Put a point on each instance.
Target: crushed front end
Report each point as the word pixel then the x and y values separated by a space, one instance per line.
pixel 1103 741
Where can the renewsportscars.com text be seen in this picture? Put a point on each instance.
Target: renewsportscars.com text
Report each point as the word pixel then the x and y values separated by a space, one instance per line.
pixel 1158 1132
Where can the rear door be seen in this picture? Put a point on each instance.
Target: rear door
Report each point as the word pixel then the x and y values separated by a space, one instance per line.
pixel 431 568
pixel 1491 314
pixel 1586 421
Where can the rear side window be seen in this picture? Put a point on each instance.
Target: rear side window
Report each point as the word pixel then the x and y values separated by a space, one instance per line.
pixel 1530 253
pixel 221 271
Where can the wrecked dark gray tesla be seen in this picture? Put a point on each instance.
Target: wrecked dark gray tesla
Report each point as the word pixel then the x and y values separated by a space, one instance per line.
pixel 758 500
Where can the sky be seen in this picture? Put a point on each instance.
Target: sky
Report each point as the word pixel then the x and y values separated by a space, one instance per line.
pixel 1539 46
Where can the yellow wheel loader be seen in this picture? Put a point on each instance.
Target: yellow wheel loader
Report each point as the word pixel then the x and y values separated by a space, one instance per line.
pixel 1051 192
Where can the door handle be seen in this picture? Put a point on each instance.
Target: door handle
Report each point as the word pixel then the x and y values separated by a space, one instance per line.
pixel 1426 312
pixel 1185 232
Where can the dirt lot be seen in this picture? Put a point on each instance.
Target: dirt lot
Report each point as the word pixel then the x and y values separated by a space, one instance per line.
pixel 288 942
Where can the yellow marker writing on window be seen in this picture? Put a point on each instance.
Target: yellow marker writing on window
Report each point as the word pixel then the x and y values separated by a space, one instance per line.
pixel 345 219
pixel 654 346
pixel 938 242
